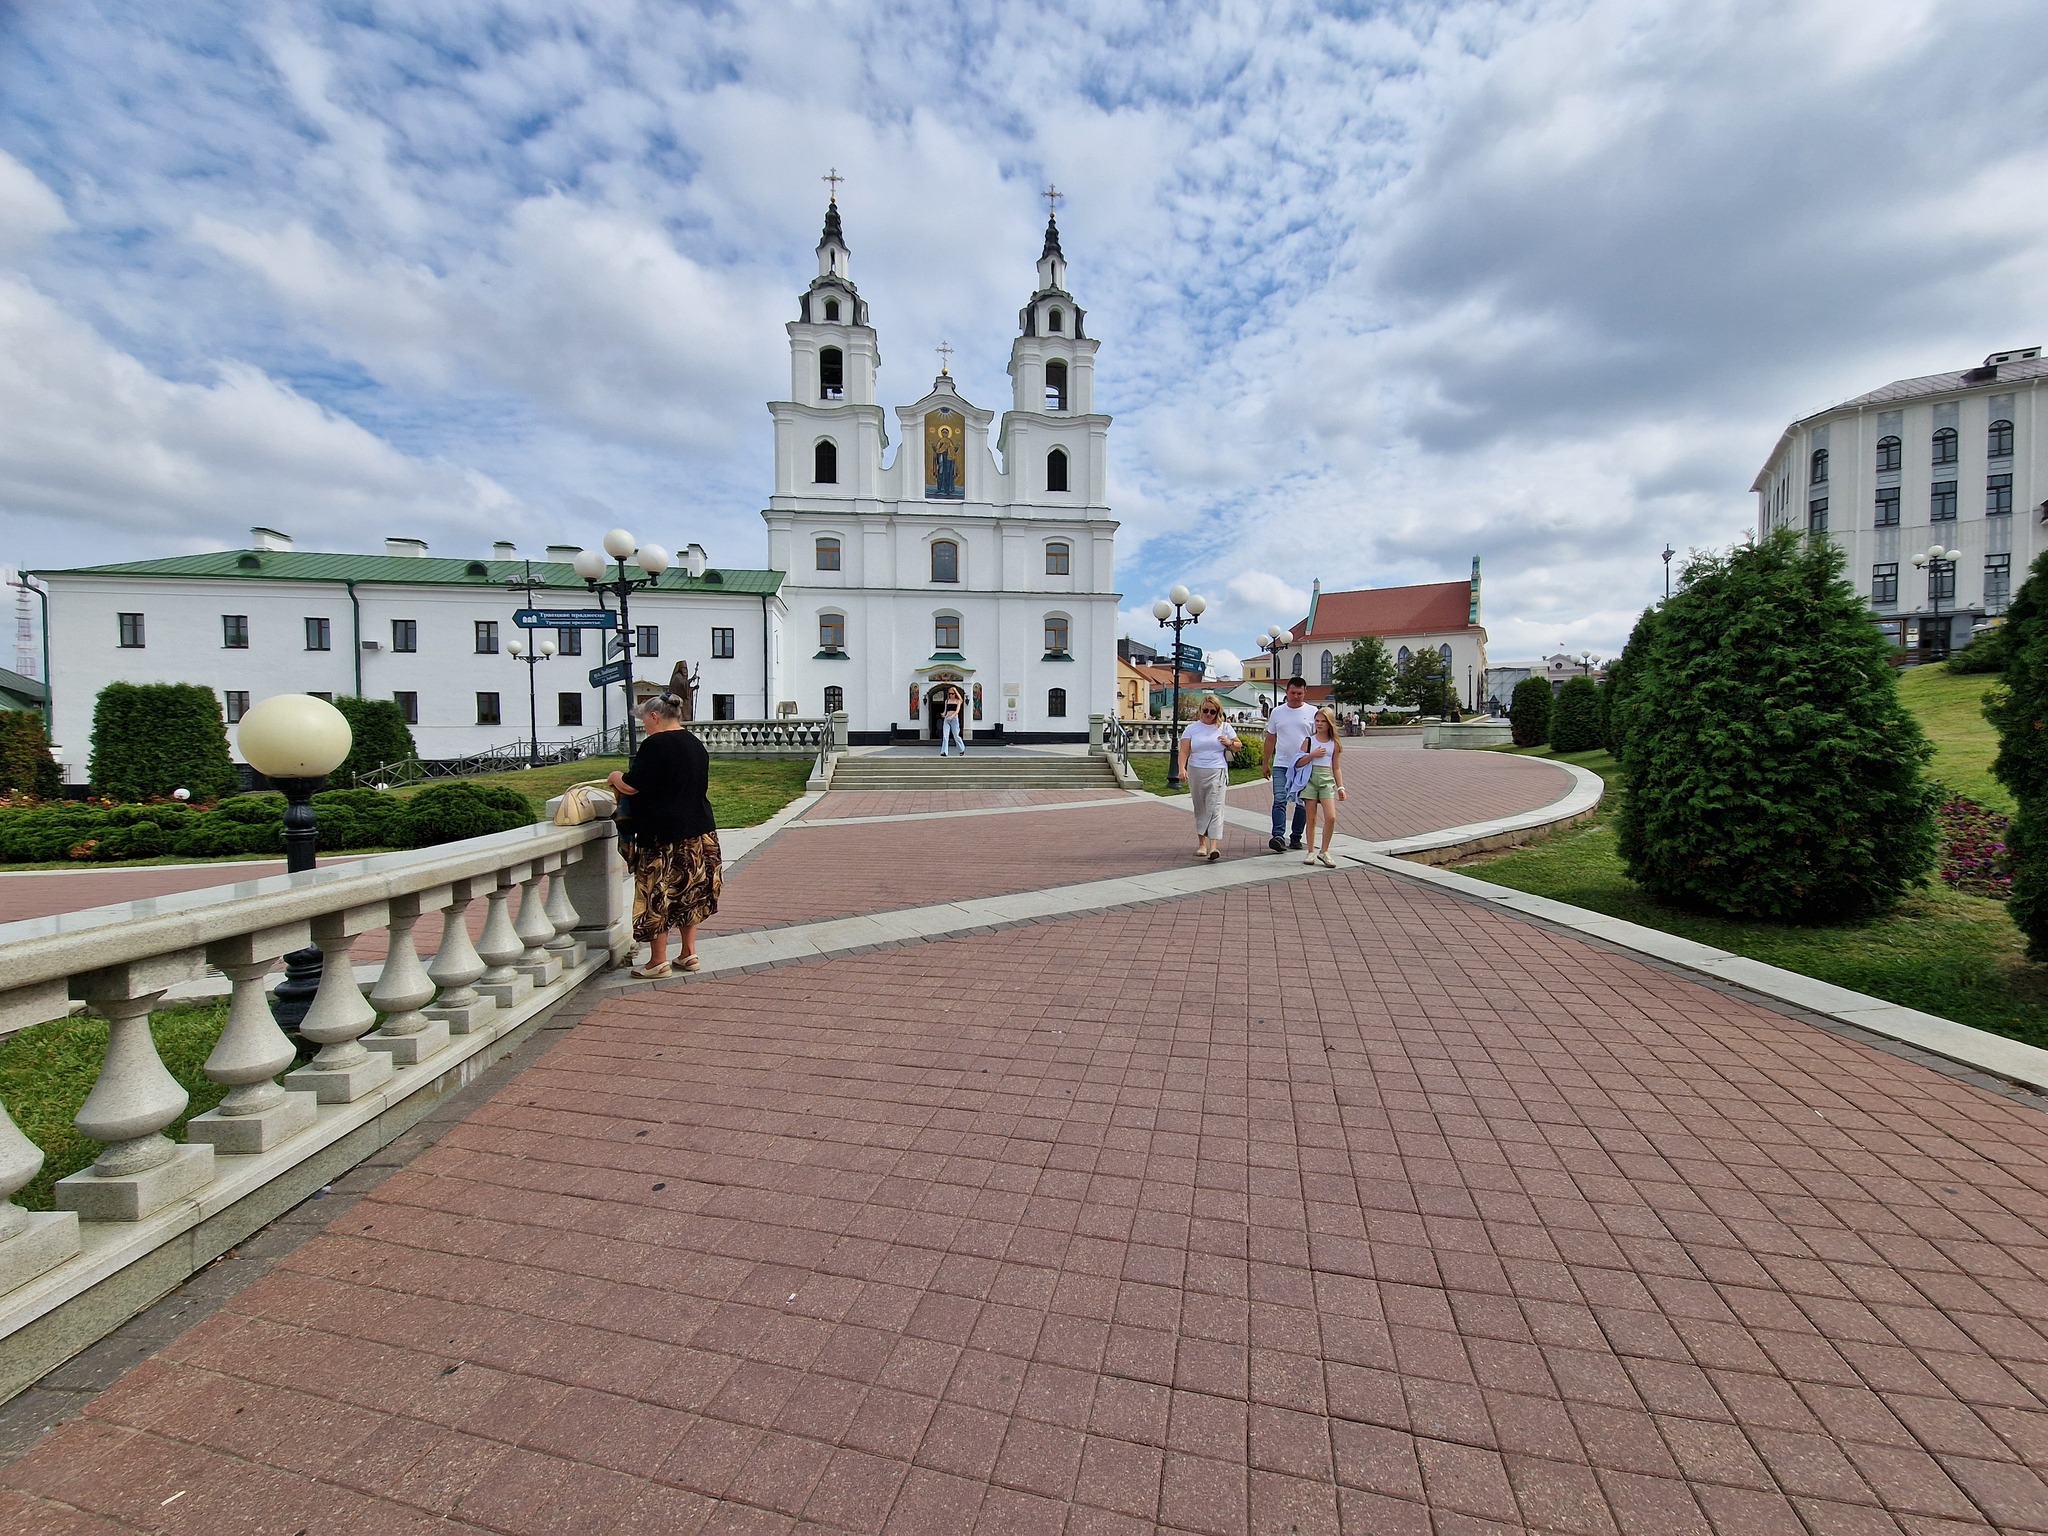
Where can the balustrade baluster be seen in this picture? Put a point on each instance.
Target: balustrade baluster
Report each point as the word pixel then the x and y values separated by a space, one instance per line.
pixel 340 1015
pixel 535 928
pixel 259 1112
pixel 457 967
pixel 563 915
pixel 132 1102
pixel 404 987
pixel 502 947
pixel 30 1241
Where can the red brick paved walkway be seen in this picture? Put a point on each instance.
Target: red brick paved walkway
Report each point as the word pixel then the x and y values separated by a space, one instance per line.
pixel 900 802
pixel 1454 1224
pixel 1399 790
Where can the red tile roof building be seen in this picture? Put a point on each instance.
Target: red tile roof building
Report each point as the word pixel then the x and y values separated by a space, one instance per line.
pixel 1442 615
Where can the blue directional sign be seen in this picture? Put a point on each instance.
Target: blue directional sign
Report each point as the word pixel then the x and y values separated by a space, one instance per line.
pixel 604 676
pixel 566 618
pixel 1188 658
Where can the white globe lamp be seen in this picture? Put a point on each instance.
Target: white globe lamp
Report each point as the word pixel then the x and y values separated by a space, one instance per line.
pixel 547 647
pixel 1162 610
pixel 588 564
pixel 1198 605
pixel 1177 594
pixel 652 559
pixel 294 736
pixel 620 544
pixel 515 648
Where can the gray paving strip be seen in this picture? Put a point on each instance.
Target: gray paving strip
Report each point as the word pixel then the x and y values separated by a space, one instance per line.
pixel 1125 798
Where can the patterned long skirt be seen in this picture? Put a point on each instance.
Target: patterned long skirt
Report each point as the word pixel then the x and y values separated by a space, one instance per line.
pixel 675 885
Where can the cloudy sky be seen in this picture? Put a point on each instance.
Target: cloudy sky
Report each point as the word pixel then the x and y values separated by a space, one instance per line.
pixel 1379 287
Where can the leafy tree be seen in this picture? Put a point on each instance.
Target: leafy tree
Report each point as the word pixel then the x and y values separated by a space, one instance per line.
pixel 1529 711
pixel 1618 712
pixel 1364 673
pixel 151 738
pixel 1784 778
pixel 1422 681
pixel 1986 653
pixel 26 767
pixel 378 733
pixel 2020 711
pixel 1575 719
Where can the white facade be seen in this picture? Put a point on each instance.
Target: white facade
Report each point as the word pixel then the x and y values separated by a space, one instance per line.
pixel 957 561
pixel 1954 458
pixel 251 623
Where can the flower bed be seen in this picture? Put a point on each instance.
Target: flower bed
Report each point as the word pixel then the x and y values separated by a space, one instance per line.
pixel 1973 851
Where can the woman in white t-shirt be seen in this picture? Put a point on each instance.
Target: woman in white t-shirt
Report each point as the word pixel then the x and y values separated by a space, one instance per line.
pixel 1321 766
pixel 1206 743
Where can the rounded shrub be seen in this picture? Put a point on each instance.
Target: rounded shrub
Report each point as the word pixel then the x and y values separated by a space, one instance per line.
pixel 447 813
pixel 2019 710
pixel 1529 711
pixel 1575 721
pixel 26 767
pixel 151 738
pixel 1784 779
pixel 378 735
pixel 1986 653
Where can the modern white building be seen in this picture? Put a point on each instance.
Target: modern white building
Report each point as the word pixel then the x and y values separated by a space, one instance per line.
pixel 431 633
pixel 1952 458
pixel 957 561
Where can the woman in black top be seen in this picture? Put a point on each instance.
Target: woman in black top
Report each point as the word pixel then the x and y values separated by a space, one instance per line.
pixel 669 839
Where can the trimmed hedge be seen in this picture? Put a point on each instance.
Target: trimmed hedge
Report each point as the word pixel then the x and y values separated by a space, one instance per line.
pixel 378 735
pixel 1784 779
pixel 1986 653
pixel 26 767
pixel 151 738
pixel 1575 721
pixel 1618 700
pixel 1529 711
pixel 2020 711
pixel 346 819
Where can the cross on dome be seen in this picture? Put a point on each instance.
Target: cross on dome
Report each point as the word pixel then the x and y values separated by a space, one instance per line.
pixel 832 179
pixel 1053 198
pixel 945 351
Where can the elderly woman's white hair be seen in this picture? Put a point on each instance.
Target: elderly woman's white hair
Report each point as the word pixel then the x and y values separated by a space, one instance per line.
pixel 663 706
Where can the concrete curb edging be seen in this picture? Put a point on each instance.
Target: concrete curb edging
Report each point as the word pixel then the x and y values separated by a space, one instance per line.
pixel 1577 803
pixel 1964 1044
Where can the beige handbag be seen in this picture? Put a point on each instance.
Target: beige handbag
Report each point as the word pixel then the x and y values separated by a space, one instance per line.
pixel 585 802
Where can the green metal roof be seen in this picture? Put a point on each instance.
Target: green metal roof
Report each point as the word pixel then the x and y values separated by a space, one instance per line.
pixel 404 570
pixel 18 692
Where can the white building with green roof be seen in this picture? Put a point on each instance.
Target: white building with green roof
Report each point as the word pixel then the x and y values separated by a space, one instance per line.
pixel 432 633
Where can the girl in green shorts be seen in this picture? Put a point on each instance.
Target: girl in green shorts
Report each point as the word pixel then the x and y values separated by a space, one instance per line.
pixel 1323 756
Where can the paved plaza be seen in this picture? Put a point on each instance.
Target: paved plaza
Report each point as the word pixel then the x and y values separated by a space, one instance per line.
pixel 1307 1202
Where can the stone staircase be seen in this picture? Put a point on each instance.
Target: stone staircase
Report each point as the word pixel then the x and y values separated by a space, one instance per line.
pixel 977 770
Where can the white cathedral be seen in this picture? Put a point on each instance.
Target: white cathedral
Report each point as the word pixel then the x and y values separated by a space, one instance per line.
pixel 943 566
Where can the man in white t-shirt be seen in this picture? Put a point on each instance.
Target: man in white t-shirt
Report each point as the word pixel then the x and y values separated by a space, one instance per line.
pixel 1286 728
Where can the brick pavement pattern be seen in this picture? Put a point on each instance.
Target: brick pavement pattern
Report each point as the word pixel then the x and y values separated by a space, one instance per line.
pixel 910 802
pixel 1400 790
pixel 1460 1225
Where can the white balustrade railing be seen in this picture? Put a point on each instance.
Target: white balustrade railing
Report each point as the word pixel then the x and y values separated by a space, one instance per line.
pixel 762 738
pixel 559 905
pixel 1155 737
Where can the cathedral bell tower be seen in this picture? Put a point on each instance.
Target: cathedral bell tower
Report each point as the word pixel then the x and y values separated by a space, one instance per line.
pixel 829 435
pixel 1052 441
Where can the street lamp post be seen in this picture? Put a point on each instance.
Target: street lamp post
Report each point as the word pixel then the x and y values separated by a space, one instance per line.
pixel 1176 611
pixel 652 559
pixel 295 740
pixel 1271 642
pixel 540 653
pixel 1932 559
pixel 1668 553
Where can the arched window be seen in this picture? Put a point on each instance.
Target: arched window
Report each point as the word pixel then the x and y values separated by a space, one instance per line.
pixel 1054 320
pixel 1297 665
pixel 1329 668
pixel 828 554
pixel 1055 385
pixel 1444 654
pixel 1999 444
pixel 835 699
pixel 1819 473
pixel 946 632
pixel 1056 704
pixel 1057 558
pixel 831 631
pixel 831 309
pixel 831 374
pixel 1888 454
pixel 945 560
pixel 1945 446
pixel 1056 470
pixel 1055 635
pixel 825 463
pixel 1402 656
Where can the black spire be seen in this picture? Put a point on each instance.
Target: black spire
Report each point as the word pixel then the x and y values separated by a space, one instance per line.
pixel 1052 239
pixel 833 235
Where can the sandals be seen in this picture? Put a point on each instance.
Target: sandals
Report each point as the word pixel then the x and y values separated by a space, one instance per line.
pixel 652 972
pixel 690 963
pixel 1325 860
pixel 1215 854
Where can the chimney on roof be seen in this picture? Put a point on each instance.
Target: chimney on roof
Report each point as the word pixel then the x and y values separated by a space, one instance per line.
pixel 502 550
pixel 270 538
pixel 411 549
pixel 562 554
pixel 694 561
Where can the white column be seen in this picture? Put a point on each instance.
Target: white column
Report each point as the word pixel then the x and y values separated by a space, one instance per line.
pixel 535 928
pixel 340 1016
pixel 457 967
pixel 502 947
pixel 132 1102
pixel 403 987
pixel 258 1112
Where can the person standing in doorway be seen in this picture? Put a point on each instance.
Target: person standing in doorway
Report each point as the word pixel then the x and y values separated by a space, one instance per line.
pixel 1287 728
pixel 1205 747
pixel 1322 760
pixel 949 722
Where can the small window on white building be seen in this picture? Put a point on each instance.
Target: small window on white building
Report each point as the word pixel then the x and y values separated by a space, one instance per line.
pixel 1056 384
pixel 1056 470
pixel 828 554
pixel 1057 556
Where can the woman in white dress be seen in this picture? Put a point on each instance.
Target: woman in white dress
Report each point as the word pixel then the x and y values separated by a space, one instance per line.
pixel 1206 743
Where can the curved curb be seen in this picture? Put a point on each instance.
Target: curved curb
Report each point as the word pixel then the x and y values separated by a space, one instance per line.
pixel 1451 843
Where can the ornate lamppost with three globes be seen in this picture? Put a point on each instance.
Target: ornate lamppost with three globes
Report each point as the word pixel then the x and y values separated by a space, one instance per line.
pixel 1176 611
pixel 1272 642
pixel 541 652
pixel 652 560
pixel 1932 559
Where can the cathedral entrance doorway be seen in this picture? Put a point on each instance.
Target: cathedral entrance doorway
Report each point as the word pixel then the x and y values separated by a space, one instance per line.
pixel 936 686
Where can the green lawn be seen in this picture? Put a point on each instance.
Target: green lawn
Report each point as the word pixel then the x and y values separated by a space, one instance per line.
pixel 1151 772
pixel 745 791
pixel 1951 711
pixel 1956 956
pixel 47 1070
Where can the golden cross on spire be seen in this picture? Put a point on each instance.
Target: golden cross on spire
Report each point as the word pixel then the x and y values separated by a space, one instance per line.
pixel 1053 198
pixel 832 178
pixel 945 351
